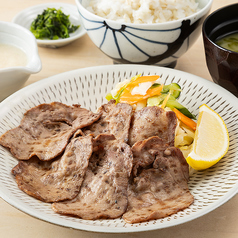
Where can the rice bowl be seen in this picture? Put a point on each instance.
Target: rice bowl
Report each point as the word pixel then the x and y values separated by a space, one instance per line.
pixel 151 43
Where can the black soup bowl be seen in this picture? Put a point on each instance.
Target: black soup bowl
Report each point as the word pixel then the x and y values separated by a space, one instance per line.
pixel 222 63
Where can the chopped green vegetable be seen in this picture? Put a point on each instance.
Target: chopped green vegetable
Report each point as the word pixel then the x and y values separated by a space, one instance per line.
pixel 171 103
pixel 156 100
pixel 52 24
pixel 174 88
pixel 165 98
pixel 229 42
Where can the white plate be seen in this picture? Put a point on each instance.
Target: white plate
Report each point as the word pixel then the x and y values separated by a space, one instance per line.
pixel 26 17
pixel 88 87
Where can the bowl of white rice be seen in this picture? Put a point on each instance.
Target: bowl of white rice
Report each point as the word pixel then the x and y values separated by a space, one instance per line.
pixel 143 31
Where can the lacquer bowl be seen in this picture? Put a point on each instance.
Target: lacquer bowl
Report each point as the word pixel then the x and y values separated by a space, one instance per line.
pixel 221 63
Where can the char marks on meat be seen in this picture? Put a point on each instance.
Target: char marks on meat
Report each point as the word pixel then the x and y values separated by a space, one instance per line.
pixel 109 164
pixel 52 181
pixel 45 130
pixel 115 119
pixel 153 121
pixel 159 183
pixel 104 191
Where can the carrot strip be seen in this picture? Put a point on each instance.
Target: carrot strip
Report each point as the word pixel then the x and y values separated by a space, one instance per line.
pixel 166 100
pixel 127 97
pixel 186 120
pixel 144 79
pixel 154 91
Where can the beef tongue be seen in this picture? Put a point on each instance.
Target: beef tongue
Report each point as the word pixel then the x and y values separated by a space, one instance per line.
pixel 158 187
pixel 52 181
pixel 104 191
pixel 115 119
pixel 46 129
pixel 153 121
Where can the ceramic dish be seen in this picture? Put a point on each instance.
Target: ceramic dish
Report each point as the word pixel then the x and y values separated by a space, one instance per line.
pixel 88 87
pixel 157 43
pixel 25 18
pixel 13 78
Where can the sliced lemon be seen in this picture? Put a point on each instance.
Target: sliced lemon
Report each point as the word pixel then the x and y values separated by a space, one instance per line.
pixel 211 141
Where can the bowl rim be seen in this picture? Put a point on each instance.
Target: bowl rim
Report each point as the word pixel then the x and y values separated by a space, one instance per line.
pixel 34 65
pixel 200 13
pixel 205 33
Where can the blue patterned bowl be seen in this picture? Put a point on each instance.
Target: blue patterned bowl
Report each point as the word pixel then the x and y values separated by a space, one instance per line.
pixel 129 43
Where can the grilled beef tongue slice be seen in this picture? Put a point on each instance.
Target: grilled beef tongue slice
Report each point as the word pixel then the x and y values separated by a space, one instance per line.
pixel 104 191
pixel 159 182
pixel 153 121
pixel 58 180
pixel 46 129
pixel 115 119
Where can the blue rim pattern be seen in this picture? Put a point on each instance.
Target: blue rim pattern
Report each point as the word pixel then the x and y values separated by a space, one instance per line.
pixel 186 29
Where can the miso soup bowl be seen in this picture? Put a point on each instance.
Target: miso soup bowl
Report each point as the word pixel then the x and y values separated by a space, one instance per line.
pixel 222 63
pixel 13 78
pixel 129 43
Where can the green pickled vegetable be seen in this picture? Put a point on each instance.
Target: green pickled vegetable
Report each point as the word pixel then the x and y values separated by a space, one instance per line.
pixel 171 103
pixel 156 100
pixel 52 24
pixel 174 88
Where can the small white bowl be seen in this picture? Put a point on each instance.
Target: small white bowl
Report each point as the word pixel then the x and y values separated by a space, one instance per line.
pixel 13 78
pixel 26 17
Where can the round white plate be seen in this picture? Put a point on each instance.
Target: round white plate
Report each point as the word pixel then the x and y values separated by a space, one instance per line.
pixel 26 17
pixel 88 87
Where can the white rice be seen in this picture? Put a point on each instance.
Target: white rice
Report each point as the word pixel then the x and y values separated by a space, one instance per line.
pixel 143 11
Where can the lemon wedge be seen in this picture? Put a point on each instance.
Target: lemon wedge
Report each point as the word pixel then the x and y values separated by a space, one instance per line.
pixel 211 141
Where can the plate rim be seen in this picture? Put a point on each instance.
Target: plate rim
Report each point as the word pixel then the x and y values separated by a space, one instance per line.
pixel 53 77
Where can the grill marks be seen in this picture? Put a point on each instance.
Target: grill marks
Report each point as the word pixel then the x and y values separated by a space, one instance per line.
pixel 158 186
pixel 45 130
pixel 58 180
pixel 115 119
pixel 107 164
pixel 104 190
pixel 153 121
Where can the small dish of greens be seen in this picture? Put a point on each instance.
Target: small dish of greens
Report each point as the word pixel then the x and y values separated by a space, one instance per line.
pixel 53 24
